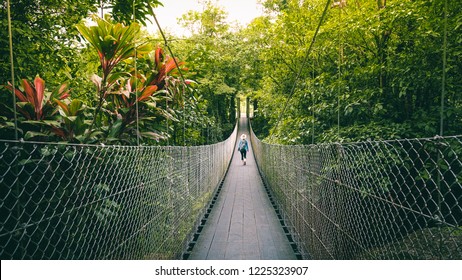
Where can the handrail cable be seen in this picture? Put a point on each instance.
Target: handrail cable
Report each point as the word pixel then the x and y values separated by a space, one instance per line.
pixel 303 64
pixel 340 61
pixel 10 39
pixel 168 47
pixel 136 87
pixel 443 78
pixel 177 67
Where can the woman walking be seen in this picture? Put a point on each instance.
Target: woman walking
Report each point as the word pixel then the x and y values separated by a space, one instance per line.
pixel 243 147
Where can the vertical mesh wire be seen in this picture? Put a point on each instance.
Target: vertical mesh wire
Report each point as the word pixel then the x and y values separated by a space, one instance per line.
pixel 62 201
pixel 371 200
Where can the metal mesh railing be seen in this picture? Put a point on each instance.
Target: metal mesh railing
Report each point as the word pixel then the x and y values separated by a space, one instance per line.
pixel 95 202
pixel 371 200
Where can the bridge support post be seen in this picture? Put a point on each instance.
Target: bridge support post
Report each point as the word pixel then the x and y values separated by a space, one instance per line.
pixel 247 107
pixel 238 105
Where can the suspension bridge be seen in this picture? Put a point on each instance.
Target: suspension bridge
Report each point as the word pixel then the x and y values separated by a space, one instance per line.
pixel 397 199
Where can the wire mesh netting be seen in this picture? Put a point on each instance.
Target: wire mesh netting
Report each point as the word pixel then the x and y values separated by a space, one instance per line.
pixel 371 200
pixel 104 202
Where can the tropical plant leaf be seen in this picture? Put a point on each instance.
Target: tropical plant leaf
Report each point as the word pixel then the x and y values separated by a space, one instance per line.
pixel 152 135
pixel 147 92
pixel 75 106
pixel 39 94
pixel 17 92
pixel 63 108
pixel 32 134
pixel 62 92
pixel 115 129
pixel 29 92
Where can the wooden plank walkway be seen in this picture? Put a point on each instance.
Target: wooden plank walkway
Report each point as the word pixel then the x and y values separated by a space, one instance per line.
pixel 242 223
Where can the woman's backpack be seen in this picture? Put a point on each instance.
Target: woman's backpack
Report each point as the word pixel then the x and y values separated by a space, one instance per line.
pixel 242 145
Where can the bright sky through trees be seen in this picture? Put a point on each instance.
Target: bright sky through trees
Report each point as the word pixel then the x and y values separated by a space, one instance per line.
pixel 241 11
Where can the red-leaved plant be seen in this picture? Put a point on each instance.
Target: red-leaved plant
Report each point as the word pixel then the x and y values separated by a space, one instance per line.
pixel 34 102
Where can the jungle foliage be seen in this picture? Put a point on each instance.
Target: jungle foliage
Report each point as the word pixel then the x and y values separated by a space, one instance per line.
pixel 113 83
pixel 375 72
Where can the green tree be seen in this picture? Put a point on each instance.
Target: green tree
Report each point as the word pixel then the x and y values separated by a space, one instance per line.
pixel 374 73
pixel 43 35
pixel 127 11
pixel 215 61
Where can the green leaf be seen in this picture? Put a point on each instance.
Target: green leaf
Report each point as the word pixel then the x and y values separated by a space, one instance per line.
pixel 71 118
pixel 32 134
pixel 152 135
pixel 51 122
pixel 75 106
pixel 115 129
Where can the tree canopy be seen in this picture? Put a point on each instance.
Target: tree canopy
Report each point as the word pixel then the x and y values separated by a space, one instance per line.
pixel 376 70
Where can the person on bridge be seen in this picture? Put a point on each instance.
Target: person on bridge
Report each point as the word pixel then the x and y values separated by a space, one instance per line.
pixel 243 147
